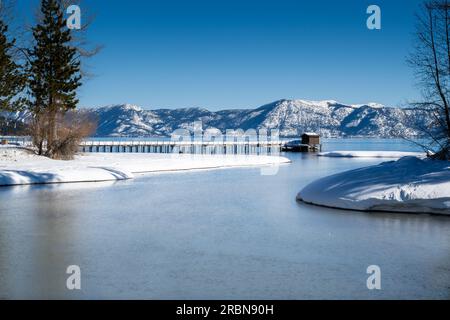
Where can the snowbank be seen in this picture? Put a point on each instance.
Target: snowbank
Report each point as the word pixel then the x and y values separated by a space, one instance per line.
pixel 370 154
pixel 406 185
pixel 18 166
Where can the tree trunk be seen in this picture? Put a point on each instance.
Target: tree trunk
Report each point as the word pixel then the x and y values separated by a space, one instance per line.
pixel 41 145
pixel 447 40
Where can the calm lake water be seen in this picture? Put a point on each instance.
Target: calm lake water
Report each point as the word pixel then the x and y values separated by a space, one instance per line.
pixel 219 234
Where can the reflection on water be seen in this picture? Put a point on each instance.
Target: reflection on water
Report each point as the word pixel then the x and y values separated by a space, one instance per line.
pixel 214 234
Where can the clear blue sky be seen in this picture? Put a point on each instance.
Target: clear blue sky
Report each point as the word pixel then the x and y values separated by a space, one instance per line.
pixel 244 53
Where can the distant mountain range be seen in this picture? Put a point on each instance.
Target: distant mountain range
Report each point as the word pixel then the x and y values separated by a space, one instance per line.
pixel 291 117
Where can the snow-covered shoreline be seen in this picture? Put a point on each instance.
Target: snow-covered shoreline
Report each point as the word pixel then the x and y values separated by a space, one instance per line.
pixel 410 185
pixel 19 167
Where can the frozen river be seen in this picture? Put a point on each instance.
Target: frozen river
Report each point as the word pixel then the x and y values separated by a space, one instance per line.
pixel 219 234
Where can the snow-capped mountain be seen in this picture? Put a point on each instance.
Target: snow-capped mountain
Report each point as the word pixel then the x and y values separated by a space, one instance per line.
pixel 291 117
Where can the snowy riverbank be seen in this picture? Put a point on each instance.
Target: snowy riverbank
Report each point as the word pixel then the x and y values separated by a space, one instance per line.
pixel 410 184
pixel 20 167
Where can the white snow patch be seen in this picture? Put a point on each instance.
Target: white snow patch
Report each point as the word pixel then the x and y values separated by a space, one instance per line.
pixel 370 154
pixel 410 184
pixel 370 104
pixel 21 167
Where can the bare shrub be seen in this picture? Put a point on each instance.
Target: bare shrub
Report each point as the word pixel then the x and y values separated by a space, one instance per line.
pixel 70 130
pixel 38 130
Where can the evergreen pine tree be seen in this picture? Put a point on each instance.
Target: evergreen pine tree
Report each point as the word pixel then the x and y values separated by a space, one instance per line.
pixel 12 80
pixel 54 69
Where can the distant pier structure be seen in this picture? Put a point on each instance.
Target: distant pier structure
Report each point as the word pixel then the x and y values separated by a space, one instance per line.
pixel 310 142
pixel 187 147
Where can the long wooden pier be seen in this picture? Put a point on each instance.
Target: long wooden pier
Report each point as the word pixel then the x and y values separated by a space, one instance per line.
pixel 193 147
pixel 239 146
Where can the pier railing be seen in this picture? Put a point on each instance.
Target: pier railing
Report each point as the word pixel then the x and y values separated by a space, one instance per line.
pixel 238 146
pixel 191 147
